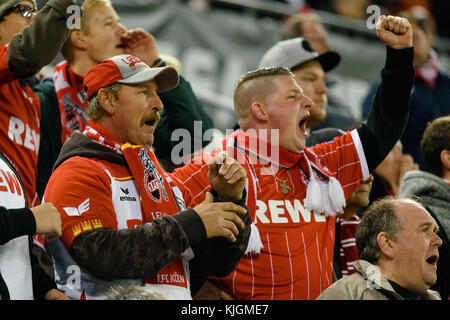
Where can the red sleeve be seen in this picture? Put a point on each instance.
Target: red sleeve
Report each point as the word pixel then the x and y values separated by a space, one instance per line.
pixel 5 74
pixel 344 157
pixel 81 190
pixel 194 177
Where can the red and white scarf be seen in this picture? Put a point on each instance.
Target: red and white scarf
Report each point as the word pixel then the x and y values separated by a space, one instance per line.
pixel 324 193
pixel 156 191
pixel 429 71
pixel 71 100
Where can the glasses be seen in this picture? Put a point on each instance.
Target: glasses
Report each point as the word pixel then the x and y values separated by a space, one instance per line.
pixel 24 10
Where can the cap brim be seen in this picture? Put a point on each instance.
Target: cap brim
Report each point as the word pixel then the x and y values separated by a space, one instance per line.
pixel 329 60
pixel 165 77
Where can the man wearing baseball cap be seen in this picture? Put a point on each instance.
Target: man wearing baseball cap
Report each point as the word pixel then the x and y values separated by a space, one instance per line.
pixel 309 68
pixel 124 220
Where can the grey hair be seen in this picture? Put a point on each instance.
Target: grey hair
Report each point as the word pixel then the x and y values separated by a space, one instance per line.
pixel 379 217
pixel 134 292
pixel 95 110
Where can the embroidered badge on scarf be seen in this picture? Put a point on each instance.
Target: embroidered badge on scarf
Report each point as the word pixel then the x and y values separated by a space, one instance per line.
pixel 153 181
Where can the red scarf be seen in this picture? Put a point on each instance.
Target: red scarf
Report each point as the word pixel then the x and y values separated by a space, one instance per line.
pixel 348 251
pixel 324 193
pixel 157 193
pixel 71 100
pixel 429 71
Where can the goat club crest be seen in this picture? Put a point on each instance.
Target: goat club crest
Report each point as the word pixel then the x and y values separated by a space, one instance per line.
pixel 153 181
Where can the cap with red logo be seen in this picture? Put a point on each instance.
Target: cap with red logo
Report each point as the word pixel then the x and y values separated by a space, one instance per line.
pixel 127 69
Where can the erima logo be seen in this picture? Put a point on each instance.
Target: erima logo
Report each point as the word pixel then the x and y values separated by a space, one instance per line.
pixel 82 208
pixel 126 197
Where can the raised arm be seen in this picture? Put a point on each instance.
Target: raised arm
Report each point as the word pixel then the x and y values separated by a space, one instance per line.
pixel 390 106
pixel 40 42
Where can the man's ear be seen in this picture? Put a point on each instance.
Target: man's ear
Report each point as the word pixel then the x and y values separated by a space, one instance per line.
pixel 78 40
pixel 445 159
pixel 106 100
pixel 386 244
pixel 258 111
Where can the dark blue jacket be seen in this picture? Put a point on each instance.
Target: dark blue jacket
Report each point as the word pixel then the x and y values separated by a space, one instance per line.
pixel 426 105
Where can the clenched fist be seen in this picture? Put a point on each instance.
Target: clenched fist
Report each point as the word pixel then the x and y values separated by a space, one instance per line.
pixel 48 220
pixel 395 32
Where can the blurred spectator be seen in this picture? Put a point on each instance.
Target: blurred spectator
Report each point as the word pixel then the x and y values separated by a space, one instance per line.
pixel 398 246
pixel 310 27
pixel 351 8
pixel 434 189
pixel 345 251
pixel 431 92
pixel 388 176
pixel 309 69
pixel 440 10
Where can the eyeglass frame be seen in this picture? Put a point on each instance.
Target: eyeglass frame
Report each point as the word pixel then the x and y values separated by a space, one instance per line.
pixel 23 9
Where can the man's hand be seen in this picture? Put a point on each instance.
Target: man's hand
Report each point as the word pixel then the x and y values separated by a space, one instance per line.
pixel 227 177
pixel 48 220
pixel 209 291
pixel 221 219
pixel 141 44
pixel 395 32
pixel 55 294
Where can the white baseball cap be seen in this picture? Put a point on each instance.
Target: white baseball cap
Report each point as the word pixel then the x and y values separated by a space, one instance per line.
pixel 294 52
pixel 127 69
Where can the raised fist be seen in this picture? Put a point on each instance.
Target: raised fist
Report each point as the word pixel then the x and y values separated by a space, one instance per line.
pixel 395 32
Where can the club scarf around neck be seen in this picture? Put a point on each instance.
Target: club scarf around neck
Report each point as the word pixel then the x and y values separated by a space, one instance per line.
pixel 71 100
pixel 154 189
pixel 157 192
pixel 429 71
pixel 324 193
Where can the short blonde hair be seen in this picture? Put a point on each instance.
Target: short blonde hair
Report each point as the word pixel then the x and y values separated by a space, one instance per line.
pixel 254 86
pixel 67 50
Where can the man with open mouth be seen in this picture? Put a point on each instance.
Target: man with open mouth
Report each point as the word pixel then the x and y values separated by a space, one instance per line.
pixel 398 245
pixel 294 193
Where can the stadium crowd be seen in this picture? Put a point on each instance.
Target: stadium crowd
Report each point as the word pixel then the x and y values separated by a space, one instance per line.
pixel 301 202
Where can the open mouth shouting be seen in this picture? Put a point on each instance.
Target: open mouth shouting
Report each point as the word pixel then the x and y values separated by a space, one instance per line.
pixel 151 121
pixel 302 124
pixel 432 260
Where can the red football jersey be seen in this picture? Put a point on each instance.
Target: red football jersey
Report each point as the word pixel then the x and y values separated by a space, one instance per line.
pixel 296 260
pixel 20 114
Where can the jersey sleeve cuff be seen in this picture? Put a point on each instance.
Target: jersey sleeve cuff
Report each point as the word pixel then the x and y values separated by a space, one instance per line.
pixel 360 151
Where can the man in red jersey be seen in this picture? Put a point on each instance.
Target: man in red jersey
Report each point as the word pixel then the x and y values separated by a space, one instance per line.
pixel 293 192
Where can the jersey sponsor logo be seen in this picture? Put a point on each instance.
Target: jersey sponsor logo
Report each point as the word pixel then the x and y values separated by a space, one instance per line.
pixel 9 183
pixel 78 211
pixel 153 181
pixel 126 196
pixel 22 134
pixel 285 211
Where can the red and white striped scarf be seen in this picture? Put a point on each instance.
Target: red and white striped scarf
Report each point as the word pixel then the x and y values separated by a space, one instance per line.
pixel 429 71
pixel 71 99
